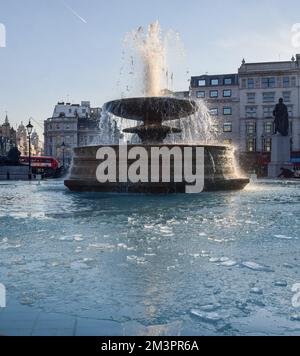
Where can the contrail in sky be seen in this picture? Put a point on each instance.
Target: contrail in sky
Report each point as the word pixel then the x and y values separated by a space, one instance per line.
pixel 74 12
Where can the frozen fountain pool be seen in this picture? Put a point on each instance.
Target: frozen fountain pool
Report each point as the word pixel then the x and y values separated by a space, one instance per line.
pixel 221 263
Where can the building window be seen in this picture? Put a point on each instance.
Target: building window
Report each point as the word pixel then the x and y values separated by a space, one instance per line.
pixel 214 82
pixel 268 83
pixel 268 127
pixel 293 82
pixel 228 81
pixel 227 127
pixel 200 94
pixel 286 82
pixel 251 112
pixel 214 94
pixel 227 93
pixel 251 128
pixel 251 145
pixel 267 145
pixel 214 112
pixel 286 95
pixel 268 111
pixel 269 97
pixel 227 111
pixel 202 83
pixel 250 83
pixel 251 98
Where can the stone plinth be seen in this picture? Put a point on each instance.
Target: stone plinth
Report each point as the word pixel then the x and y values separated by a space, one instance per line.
pixel 281 155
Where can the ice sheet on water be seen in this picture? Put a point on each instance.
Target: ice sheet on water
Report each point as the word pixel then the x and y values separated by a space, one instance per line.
pixel 256 267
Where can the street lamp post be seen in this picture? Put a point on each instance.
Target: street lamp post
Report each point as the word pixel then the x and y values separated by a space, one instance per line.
pixel 63 146
pixel 29 128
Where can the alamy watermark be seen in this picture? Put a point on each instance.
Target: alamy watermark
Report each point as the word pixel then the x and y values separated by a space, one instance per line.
pixel 296 297
pixel 162 164
pixel 2 296
pixel 295 30
pixel 2 36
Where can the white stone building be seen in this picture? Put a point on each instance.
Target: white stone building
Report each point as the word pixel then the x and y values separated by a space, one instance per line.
pixel 261 86
pixel 71 125
pixel 243 103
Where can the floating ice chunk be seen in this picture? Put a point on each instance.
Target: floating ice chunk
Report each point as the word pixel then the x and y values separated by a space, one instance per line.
pixel 121 245
pixel 295 317
pixel 229 263
pixel 195 255
pixel 289 266
pixel 283 237
pixel 102 246
pixel 256 302
pixel 78 238
pixel 27 301
pixel 256 267
pixel 136 259
pixel 210 307
pixel 219 241
pixel 171 268
pixel 202 234
pixel 214 260
pixel 256 291
pixel 78 265
pixel 66 238
pixel 211 318
pixel 281 283
pixel 6 246
pixel 148 227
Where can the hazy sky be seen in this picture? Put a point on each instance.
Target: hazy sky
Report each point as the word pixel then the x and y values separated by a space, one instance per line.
pixel 72 49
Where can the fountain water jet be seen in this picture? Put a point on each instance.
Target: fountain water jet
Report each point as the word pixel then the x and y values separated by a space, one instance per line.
pixel 154 113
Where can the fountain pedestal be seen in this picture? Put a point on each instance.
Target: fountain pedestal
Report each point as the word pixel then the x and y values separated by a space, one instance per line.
pixel 281 155
pixel 152 113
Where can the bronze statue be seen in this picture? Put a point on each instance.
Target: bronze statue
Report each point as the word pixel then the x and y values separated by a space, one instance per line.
pixel 281 118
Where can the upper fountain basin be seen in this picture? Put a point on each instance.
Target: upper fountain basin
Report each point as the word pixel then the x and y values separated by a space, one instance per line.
pixel 152 109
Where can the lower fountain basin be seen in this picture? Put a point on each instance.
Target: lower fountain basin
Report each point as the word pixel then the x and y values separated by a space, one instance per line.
pixel 220 173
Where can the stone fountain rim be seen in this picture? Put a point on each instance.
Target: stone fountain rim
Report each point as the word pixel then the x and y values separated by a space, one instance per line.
pixel 158 99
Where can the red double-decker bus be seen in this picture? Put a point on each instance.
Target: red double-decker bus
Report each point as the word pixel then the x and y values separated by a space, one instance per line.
pixel 41 165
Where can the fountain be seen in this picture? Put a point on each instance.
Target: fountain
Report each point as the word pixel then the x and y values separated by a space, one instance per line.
pixel 152 112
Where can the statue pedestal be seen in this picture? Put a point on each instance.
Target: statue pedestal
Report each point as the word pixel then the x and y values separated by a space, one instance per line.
pixel 281 155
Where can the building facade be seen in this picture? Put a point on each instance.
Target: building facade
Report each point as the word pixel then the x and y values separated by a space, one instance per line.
pixel 8 137
pixel 221 94
pixel 261 86
pixel 243 104
pixel 70 126
pixel 23 142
